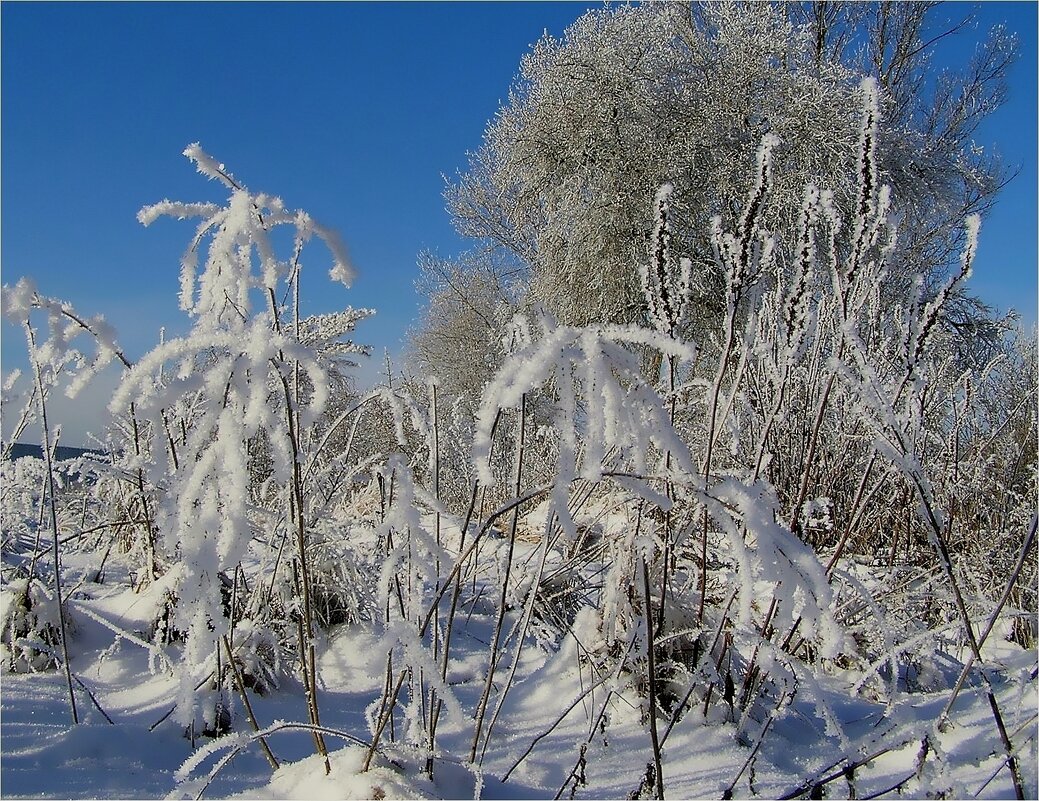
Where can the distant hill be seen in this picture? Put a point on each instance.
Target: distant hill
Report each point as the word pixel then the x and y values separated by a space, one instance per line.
pixel 20 449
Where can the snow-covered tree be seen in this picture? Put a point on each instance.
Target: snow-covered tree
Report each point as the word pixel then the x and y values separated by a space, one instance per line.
pixel 468 309
pixel 633 97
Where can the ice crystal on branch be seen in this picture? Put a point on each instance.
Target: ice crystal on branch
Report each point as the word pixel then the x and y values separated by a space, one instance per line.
pixel 665 288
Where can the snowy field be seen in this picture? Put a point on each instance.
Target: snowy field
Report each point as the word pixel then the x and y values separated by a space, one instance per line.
pixel 771 533
pixel 568 727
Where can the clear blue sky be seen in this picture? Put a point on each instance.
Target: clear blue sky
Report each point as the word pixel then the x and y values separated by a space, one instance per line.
pixel 351 111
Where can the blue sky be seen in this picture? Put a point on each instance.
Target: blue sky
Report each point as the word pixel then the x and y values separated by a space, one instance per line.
pixel 1006 267
pixel 351 111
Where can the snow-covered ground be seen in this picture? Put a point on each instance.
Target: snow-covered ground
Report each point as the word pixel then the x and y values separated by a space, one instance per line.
pixel 565 728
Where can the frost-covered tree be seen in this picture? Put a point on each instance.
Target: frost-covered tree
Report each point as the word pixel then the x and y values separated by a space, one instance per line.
pixel 633 97
pixel 928 152
pixel 931 116
pixel 469 306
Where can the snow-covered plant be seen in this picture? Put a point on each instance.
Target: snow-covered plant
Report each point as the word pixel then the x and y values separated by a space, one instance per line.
pixel 727 522
pixel 49 360
pixel 897 406
pixel 890 395
pixel 409 568
pixel 666 285
pixel 258 653
pixel 616 434
pixel 21 498
pixel 251 366
pixel 603 404
pixel 30 625
pixel 411 575
pixel 61 355
pixel 126 499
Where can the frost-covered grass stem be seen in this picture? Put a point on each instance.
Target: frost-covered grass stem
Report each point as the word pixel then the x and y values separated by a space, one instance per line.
pixel 494 655
pixel 52 509
pixel 1012 580
pixel 308 654
pixel 449 628
pixel 240 683
pixel 651 681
